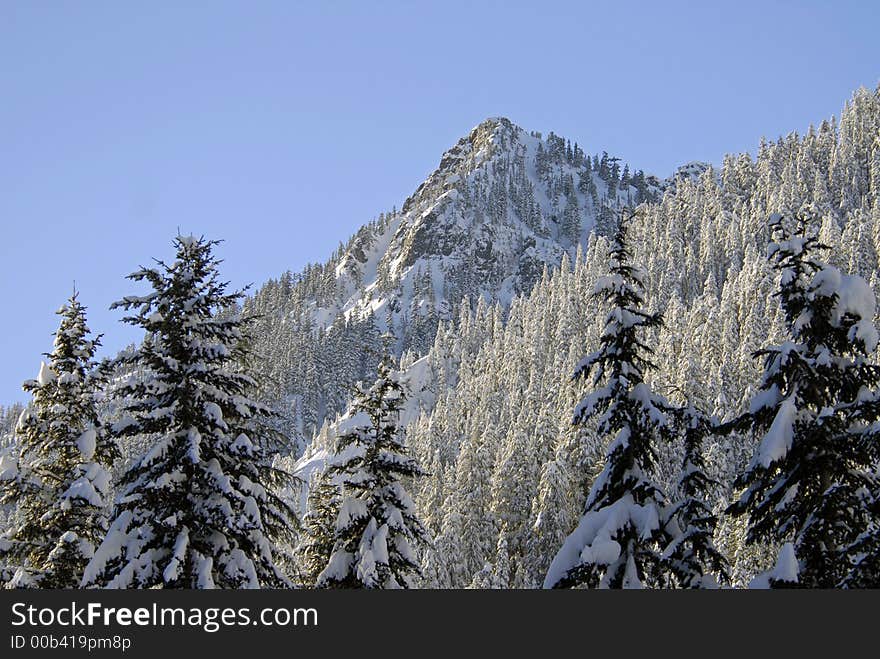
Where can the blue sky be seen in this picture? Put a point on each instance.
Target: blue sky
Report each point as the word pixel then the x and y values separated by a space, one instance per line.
pixel 281 126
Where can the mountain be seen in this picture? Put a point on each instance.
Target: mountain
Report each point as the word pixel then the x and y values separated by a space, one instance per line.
pixel 503 205
pixel 484 284
pixel 491 402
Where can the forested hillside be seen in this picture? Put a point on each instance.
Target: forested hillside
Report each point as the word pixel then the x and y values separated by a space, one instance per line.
pixel 510 472
pixel 735 305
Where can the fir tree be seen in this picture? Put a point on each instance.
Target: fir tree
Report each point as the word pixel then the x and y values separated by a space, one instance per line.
pixel 570 227
pixel 808 482
pixel 376 527
pixel 200 509
pixel 619 539
pixel 61 482
pixel 556 508
pixel 692 556
pixel 319 523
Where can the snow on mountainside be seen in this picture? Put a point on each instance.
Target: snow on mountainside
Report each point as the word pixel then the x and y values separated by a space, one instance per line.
pixel 691 171
pixel 503 205
pixel 418 381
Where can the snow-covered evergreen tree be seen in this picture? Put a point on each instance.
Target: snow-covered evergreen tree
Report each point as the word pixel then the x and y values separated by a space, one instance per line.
pixel 556 508
pixel 497 224
pixel 60 482
pixel 376 529
pixel 809 481
pixel 200 509
pixel 692 557
pixel 618 542
pixel 319 525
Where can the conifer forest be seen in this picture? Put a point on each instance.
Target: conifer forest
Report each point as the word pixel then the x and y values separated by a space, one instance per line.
pixel 547 369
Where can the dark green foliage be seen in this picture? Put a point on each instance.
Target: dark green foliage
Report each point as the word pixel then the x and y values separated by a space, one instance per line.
pixel 625 505
pixel 692 556
pixel 61 483
pixel 376 527
pixel 201 508
pixel 811 480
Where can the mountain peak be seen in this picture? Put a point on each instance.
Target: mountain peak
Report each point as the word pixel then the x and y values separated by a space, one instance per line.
pixel 495 131
pixel 491 124
pixel 471 152
pixel 503 206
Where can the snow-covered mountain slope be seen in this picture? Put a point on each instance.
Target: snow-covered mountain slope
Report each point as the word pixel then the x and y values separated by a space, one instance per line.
pixel 420 383
pixel 503 205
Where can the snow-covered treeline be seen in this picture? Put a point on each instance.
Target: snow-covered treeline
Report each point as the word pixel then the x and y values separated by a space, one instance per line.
pixel 489 288
pixel 510 473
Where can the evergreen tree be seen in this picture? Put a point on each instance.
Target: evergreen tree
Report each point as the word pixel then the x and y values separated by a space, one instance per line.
pixel 808 482
pixel 692 556
pixel 376 527
pixel 318 527
pixel 200 509
pixel 514 481
pixel 619 539
pixel 570 227
pixel 60 482
pixel 556 508
pixel 469 516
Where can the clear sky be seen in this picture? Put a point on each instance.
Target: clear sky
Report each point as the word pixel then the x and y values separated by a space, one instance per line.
pixel 283 126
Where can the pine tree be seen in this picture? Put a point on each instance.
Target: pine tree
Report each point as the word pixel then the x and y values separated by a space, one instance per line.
pixel 692 556
pixel 200 509
pixel 61 481
pixel 318 527
pixel 619 539
pixel 376 527
pixel 807 483
pixel 513 487
pixel 469 517
pixel 556 508
pixel 570 226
